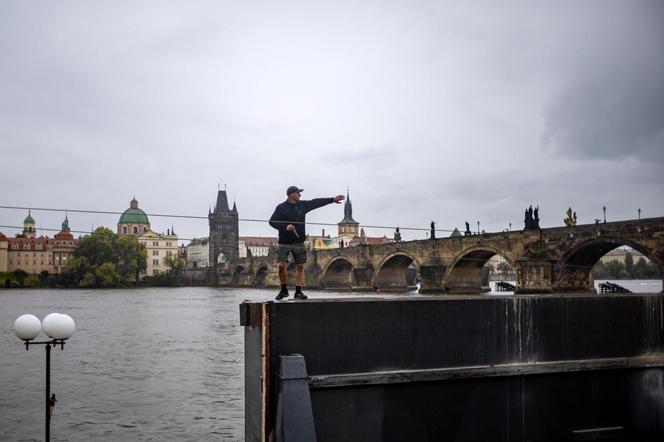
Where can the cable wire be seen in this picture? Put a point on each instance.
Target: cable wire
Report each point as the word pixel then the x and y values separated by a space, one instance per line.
pixel 252 220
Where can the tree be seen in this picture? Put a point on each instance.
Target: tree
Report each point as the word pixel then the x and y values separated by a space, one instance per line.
pixel 104 259
pixel 629 264
pixel 175 262
pixel 640 269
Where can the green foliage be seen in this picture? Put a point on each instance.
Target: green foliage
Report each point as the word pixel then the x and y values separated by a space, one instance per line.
pixel 105 259
pixel 19 276
pixel 173 278
pixel 623 270
pixel 629 263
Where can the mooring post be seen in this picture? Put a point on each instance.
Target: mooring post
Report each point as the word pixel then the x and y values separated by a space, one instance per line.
pixel 295 419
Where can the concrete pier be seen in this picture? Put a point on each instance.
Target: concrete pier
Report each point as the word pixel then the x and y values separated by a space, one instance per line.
pixel 474 368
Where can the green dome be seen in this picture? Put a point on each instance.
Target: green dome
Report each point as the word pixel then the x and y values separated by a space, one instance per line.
pixel 133 215
pixel 28 219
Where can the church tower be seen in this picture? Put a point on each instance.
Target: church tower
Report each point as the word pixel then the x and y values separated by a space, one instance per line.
pixel 348 227
pixel 224 231
pixel 29 230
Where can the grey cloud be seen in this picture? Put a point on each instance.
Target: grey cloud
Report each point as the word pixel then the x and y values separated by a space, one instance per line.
pixel 427 110
pixel 609 102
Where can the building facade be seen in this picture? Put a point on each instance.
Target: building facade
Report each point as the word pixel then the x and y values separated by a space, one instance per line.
pixel 620 254
pixel 224 231
pixel 198 254
pixel 63 247
pixel 4 243
pixel 160 247
pixel 256 245
pixel 33 254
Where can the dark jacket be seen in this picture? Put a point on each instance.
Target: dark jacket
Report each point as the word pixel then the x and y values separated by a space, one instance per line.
pixel 287 213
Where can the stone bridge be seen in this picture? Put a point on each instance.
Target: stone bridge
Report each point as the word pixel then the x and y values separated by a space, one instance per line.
pixel 548 260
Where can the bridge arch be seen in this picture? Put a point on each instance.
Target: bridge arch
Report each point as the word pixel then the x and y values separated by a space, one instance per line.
pixel 338 273
pixel 238 272
pixel 261 275
pixel 465 272
pixel 398 271
pixel 573 271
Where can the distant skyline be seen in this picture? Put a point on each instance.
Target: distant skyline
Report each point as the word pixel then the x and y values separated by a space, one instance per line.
pixel 426 110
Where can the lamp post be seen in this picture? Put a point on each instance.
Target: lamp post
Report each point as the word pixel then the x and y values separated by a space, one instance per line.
pixel 639 214
pixel 58 328
pixel 604 209
pixel 478 227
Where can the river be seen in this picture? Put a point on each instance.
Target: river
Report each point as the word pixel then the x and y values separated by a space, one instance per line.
pixel 144 365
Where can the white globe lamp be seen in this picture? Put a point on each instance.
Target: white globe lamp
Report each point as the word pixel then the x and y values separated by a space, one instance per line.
pixel 27 327
pixel 58 326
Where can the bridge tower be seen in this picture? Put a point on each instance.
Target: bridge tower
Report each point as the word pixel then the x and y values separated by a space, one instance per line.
pixel 224 231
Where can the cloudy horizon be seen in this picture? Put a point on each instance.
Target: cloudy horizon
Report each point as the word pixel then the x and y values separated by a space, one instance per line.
pixel 425 110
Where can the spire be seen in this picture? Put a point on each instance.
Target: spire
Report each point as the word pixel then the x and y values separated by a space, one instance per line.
pixel 348 211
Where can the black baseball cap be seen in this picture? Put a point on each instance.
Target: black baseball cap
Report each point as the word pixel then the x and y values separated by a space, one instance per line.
pixel 292 189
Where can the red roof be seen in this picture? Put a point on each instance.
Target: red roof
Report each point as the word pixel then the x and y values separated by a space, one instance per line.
pixel 2 236
pixel 374 240
pixel 63 235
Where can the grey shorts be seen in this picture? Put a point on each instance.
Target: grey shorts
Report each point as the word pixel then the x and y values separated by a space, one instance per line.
pixel 298 251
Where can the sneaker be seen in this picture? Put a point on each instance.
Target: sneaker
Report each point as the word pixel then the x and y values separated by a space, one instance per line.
pixel 300 295
pixel 282 294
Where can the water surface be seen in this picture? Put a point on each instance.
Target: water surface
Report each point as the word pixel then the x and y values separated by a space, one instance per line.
pixel 151 364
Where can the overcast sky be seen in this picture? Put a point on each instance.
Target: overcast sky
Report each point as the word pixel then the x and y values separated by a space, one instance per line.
pixel 426 110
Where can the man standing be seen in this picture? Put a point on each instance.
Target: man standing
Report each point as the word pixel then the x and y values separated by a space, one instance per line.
pixel 289 219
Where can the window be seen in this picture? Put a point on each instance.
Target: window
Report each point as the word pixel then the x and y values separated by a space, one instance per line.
pixel 168 244
pixel 26 246
pixel 155 243
pixel 15 246
pixel 145 229
pixel 155 262
pixel 155 253
pixel 135 229
pixel 155 272
pixel 124 230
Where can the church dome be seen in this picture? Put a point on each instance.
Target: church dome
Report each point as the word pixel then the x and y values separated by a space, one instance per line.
pixel 29 219
pixel 133 215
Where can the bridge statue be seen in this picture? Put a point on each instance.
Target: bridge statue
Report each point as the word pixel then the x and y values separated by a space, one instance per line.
pixel 397 235
pixel 433 230
pixel 531 219
pixel 570 220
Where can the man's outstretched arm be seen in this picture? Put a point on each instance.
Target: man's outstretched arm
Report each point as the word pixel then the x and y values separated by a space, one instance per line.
pixel 320 202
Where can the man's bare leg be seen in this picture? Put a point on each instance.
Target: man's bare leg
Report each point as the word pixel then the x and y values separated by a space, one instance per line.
pixel 299 281
pixel 283 272
pixel 283 278
pixel 299 275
